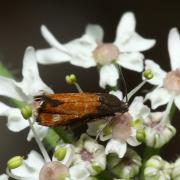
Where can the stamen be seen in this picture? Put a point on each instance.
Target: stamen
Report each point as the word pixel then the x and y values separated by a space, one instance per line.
pixel 133 91
pixel 78 87
pixel 40 144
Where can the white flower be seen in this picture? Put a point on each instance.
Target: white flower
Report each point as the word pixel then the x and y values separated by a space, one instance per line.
pixel 3 177
pixel 24 91
pixel 89 50
pixel 90 154
pixel 127 167
pixel 168 83
pixel 34 167
pixel 121 132
pixel 30 167
pixel 157 133
pixel 157 168
pixel 176 170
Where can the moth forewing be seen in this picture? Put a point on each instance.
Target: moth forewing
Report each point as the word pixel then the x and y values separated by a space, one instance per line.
pixel 65 108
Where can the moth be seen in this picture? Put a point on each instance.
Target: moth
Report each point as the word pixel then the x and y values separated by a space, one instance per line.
pixel 67 108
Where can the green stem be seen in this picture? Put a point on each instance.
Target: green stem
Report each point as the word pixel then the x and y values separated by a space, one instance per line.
pixel 41 146
pixel 172 111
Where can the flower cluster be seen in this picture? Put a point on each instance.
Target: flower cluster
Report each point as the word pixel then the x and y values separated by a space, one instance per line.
pixel 114 125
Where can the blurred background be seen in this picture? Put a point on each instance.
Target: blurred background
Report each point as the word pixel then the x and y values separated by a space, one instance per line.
pixel 20 23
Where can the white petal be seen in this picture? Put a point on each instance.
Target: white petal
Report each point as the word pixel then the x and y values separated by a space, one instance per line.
pixel 8 88
pixel 34 160
pixel 135 43
pixel 40 130
pixel 132 61
pixel 51 56
pixel 158 73
pixel 104 137
pixel 126 24
pixel 95 31
pixel 15 122
pixel 158 97
pixel 174 48
pixel 99 158
pixel 83 61
pixel 137 109
pixel 30 167
pixel 132 139
pixel 32 84
pixel 81 51
pixel 177 101
pixel 69 154
pixel 48 36
pixel 92 146
pixel 108 76
pixel 3 177
pixel 118 94
pixel 116 146
pixel 79 172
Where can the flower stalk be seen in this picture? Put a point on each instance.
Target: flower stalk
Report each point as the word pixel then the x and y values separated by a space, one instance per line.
pixel 40 144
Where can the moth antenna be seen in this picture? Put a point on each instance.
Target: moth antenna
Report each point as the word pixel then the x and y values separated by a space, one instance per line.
pixel 123 84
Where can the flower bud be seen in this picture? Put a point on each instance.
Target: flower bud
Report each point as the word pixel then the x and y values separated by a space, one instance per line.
pixel 60 153
pixel 176 170
pixel 140 135
pixel 107 131
pixel 148 74
pixel 26 112
pixel 15 162
pixel 128 167
pixel 70 79
pixel 159 135
pixel 156 168
pixel 112 160
pixel 137 123
pixel 97 168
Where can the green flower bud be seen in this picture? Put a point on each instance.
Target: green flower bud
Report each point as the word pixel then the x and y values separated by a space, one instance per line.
pixel 176 170
pixel 26 112
pixel 97 168
pixel 128 167
pixel 112 160
pixel 140 135
pixel 156 168
pixel 60 153
pixel 137 123
pixel 107 131
pixel 70 79
pixel 15 162
pixel 148 74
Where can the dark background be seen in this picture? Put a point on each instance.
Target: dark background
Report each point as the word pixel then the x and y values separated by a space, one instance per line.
pixel 20 27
